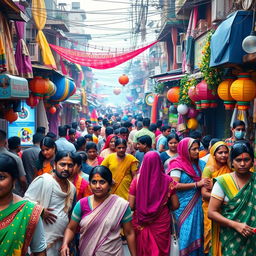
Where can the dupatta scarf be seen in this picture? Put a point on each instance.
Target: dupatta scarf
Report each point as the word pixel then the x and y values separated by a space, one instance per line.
pixel 17 226
pixel 241 207
pixel 183 161
pixel 100 229
pixel 216 171
pixel 152 188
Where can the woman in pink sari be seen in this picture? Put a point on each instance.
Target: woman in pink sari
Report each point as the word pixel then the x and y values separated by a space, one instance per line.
pixel 101 217
pixel 150 195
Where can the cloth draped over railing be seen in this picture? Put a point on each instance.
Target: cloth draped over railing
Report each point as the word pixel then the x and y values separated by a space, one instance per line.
pixel 95 59
pixel 22 57
pixel 7 60
pixel 40 15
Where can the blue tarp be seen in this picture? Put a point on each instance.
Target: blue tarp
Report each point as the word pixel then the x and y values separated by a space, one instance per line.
pixel 226 42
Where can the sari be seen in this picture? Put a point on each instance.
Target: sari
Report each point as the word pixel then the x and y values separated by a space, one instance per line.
pixel 82 187
pixel 122 170
pixel 212 170
pixel 189 216
pixel 46 168
pixel 100 229
pixel 17 225
pixel 151 220
pixel 240 207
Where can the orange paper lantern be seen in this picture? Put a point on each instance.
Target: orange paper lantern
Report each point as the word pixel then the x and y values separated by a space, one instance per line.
pixel 224 93
pixel 39 86
pixel 51 89
pixel 123 80
pixel 52 110
pixel 243 90
pixel 173 95
pixel 10 115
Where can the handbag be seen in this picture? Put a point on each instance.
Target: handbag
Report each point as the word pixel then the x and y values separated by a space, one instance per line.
pixel 175 248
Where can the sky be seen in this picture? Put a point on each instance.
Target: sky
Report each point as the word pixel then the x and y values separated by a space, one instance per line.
pixel 109 24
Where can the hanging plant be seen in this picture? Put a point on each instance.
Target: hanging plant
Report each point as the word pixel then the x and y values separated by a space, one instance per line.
pixel 212 76
pixel 185 84
pixel 159 88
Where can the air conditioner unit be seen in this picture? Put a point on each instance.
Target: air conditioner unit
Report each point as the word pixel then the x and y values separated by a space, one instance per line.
pixel 178 54
pixel 218 10
pixel 33 49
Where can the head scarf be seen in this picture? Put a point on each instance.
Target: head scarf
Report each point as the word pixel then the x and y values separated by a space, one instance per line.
pixel 109 138
pixel 152 187
pixel 212 163
pixel 183 161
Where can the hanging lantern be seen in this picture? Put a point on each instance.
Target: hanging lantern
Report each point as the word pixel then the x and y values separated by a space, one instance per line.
pixel 194 97
pixel 192 113
pixel 123 80
pixel 32 101
pixel 51 89
pixel 207 96
pixel 192 124
pixel 173 109
pixel 52 110
pixel 243 91
pixel 10 115
pixel 65 88
pixel 39 86
pixel 224 93
pixel 182 109
pixel 173 95
pixel 129 98
pixel 117 91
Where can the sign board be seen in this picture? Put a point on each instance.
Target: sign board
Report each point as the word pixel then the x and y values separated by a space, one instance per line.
pixel 24 126
pixel 199 45
pixel 13 87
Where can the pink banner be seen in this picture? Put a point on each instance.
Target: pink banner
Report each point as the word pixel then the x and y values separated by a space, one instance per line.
pixel 95 59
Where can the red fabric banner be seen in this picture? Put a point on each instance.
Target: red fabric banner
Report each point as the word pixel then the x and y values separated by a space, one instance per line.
pixel 98 60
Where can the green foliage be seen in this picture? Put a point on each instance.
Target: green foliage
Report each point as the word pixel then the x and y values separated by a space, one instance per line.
pixel 185 84
pixel 159 88
pixel 212 76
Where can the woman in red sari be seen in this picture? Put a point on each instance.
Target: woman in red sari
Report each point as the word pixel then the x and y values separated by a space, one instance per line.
pixel 151 194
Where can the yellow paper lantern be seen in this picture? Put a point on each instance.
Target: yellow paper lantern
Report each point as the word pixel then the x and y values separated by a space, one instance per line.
pixel 243 90
pixel 192 124
pixel 224 93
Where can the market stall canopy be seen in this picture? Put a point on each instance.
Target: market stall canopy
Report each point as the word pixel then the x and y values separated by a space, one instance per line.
pixel 226 42
pixel 12 11
pixel 169 76
pixel 13 87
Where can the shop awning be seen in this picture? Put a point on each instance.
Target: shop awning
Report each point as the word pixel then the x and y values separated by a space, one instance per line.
pixel 173 75
pixel 13 87
pixel 226 42
pixel 12 11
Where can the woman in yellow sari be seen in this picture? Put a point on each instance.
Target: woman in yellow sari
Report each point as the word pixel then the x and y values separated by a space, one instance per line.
pixel 216 166
pixel 123 167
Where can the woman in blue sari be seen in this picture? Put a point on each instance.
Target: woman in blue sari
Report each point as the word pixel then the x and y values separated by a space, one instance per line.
pixel 184 169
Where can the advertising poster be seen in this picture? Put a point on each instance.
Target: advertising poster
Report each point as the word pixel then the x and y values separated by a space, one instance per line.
pixel 24 126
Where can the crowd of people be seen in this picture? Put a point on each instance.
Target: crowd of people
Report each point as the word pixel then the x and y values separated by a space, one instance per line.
pixel 91 189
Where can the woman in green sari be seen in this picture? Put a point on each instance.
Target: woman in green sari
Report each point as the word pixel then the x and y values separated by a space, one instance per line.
pixel 232 206
pixel 21 227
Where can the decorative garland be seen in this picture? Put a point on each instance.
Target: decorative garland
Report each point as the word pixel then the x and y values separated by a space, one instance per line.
pixel 212 76
pixel 185 84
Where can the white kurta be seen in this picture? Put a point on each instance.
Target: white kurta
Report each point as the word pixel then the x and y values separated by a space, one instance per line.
pixel 46 191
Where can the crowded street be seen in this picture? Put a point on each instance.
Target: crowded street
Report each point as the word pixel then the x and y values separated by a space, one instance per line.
pixel 127 128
